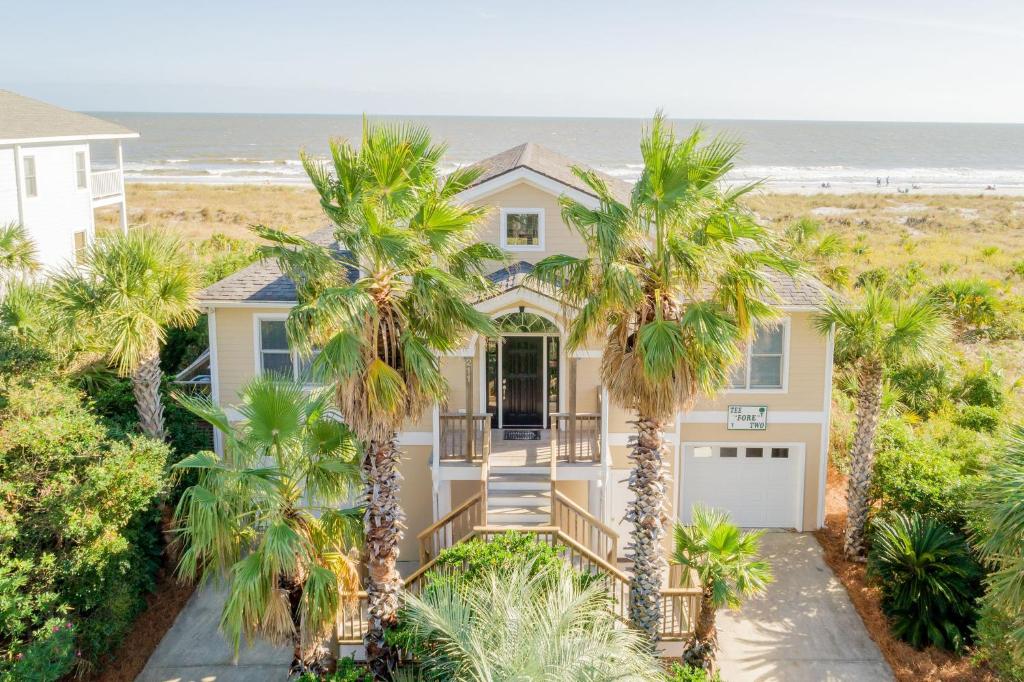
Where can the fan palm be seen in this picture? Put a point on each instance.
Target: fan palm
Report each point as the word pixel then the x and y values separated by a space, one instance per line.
pixel 821 250
pixel 518 624
pixel 675 282
pixel 877 335
pixel 726 563
pixel 17 251
pixel 419 266
pixel 1000 539
pixel 133 287
pixel 268 515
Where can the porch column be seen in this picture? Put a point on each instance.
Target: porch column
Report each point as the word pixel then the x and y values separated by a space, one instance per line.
pixel 470 435
pixel 572 409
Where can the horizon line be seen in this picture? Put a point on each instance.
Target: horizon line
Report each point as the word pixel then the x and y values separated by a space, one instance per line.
pixel 547 117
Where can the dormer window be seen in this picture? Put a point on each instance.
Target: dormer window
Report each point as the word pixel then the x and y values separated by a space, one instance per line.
pixel 522 229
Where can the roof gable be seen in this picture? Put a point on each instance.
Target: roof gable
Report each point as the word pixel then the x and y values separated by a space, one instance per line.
pixel 23 118
pixel 501 168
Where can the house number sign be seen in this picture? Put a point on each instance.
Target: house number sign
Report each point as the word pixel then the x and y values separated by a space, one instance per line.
pixel 747 418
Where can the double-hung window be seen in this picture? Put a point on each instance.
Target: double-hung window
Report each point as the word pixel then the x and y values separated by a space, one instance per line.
pixel 275 356
pixel 764 361
pixel 80 177
pixel 522 229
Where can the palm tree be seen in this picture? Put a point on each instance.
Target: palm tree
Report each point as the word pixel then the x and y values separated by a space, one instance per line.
pixel 516 624
pixel 416 264
pixel 877 335
pixel 17 251
pixel 999 538
pixel 823 251
pixel 268 515
pixel 133 287
pixel 726 563
pixel 675 283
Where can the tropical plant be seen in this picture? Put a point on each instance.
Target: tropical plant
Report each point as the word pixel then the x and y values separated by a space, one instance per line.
pixel 383 310
pixel 968 302
pixel 522 624
pixel 727 565
pixel 876 335
pixel 269 514
pixel 675 283
pixel 999 539
pixel 17 251
pixel 133 287
pixel 824 251
pixel 928 579
pixel 690 673
pixel 982 385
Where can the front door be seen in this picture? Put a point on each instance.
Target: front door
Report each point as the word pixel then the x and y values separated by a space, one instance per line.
pixel 522 381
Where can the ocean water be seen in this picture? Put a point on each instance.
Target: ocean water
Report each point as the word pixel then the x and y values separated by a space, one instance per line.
pixel 789 155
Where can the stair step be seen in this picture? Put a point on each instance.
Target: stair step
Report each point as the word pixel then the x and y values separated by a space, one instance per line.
pixel 516 508
pixel 497 469
pixel 512 500
pixel 529 485
pixel 520 520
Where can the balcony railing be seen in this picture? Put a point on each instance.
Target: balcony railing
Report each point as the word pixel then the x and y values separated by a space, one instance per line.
pixel 456 446
pixel 576 438
pixel 107 183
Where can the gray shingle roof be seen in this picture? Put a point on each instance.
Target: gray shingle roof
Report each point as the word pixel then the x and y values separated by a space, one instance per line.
pixel 263 281
pixel 548 163
pixel 23 118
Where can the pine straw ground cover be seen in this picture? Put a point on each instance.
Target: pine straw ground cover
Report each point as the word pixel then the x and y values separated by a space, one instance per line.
pixel 907 663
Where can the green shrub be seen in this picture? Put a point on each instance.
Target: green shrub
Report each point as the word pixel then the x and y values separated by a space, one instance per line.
pixel 690 673
pixel 348 671
pixel 995 643
pixel 924 387
pixel 503 552
pixel 969 302
pixel 923 471
pixel 977 418
pixel 928 579
pixel 981 386
pixel 78 527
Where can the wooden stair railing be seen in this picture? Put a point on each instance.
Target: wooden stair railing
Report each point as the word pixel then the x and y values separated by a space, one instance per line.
pixel 584 527
pixel 679 605
pixel 453 526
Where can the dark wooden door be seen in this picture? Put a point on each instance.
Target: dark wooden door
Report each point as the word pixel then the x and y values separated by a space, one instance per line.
pixel 522 380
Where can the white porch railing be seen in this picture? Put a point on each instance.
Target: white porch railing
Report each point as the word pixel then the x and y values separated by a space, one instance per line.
pixel 107 183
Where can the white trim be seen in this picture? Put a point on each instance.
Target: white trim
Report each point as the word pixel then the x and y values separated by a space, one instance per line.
pixel 531 177
pixel 606 460
pixel 257 343
pixel 19 185
pixel 774 417
pixel 786 335
pixel 588 354
pixel 214 303
pixel 826 425
pixel 67 138
pixel 503 229
pixel 798 448
pixel 211 332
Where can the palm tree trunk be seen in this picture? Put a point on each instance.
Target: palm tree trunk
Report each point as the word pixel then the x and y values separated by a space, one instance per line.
pixel 862 457
pixel 646 511
pixel 383 523
pixel 700 651
pixel 146 381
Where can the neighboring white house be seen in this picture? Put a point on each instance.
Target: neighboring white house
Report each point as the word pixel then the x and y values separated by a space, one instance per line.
pixel 47 181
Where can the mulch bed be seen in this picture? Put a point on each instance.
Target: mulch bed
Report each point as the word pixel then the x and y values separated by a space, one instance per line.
pixel 162 607
pixel 908 664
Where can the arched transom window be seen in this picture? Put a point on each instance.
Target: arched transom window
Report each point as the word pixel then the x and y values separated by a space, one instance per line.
pixel 523 322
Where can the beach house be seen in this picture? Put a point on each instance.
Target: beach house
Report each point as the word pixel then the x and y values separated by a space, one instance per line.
pixel 528 436
pixel 48 182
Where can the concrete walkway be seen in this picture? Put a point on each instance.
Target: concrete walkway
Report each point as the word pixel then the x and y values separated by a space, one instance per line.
pixel 804 629
pixel 193 650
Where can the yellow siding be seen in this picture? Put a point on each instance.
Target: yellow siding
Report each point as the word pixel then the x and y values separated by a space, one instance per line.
pixel 557 236
pixel 236 354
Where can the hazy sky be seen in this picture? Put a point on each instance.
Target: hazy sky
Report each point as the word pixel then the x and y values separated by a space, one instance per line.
pixel 900 60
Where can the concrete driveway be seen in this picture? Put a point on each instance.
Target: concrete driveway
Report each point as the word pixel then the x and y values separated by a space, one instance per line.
pixel 804 629
pixel 193 650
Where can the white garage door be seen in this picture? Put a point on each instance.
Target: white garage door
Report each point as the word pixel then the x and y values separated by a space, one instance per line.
pixel 757 483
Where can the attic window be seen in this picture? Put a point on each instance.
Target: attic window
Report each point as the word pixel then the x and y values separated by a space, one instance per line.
pixel 522 229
